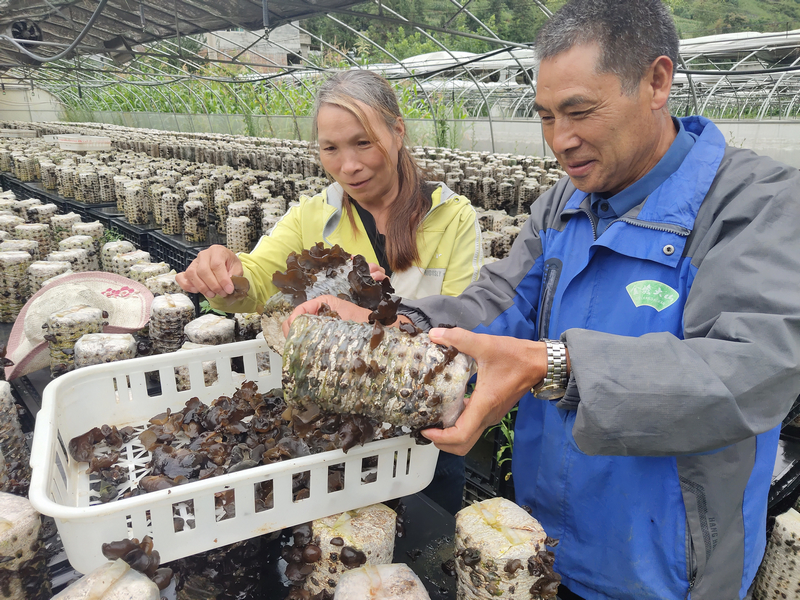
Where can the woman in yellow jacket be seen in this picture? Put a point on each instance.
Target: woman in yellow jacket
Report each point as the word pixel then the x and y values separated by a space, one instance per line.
pixel 421 234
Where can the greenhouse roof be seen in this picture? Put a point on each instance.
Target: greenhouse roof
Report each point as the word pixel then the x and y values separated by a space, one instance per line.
pixel 45 28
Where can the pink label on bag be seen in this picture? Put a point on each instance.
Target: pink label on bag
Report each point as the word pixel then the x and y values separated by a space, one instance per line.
pixel 123 292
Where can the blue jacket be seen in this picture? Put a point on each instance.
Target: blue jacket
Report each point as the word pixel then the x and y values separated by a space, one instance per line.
pixel 684 340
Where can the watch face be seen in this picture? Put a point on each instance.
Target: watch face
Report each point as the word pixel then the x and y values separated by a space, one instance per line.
pixel 551 392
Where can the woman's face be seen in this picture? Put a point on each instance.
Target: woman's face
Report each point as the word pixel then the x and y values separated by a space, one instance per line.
pixel 353 159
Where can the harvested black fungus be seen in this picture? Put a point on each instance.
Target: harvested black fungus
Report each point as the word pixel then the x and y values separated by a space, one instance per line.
pixel 152 483
pixel 352 557
pixel 104 462
pixel 220 442
pixel 355 429
pixel 81 448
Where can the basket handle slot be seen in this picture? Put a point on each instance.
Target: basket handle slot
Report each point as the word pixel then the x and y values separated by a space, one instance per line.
pixel 264 496
pixel 210 377
pixel 183 516
pixel 237 364
pixel 335 477
pixel 301 486
pixel 369 469
pixel 263 365
pixel 224 505
pixel 183 378
pixel 139 524
pixel 153 383
pixel 123 388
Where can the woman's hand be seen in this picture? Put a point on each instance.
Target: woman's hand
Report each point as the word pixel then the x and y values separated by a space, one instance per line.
pixel 377 272
pixel 507 368
pixel 210 273
pixel 347 310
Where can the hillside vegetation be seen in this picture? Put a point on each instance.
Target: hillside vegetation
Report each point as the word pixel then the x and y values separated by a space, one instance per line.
pixel 519 20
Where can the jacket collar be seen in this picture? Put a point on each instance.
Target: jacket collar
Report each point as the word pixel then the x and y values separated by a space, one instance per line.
pixel 676 201
pixel 670 211
pixel 334 195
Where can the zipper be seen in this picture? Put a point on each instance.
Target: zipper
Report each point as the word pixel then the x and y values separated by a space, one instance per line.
pixel 442 202
pixel 589 214
pixel 552 274
pixel 691 561
pixel 676 229
pixel 689 591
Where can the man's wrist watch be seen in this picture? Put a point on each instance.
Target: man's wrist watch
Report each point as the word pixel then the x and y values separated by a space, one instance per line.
pixel 554 384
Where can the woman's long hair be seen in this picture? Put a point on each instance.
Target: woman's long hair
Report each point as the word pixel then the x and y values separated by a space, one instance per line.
pixel 345 90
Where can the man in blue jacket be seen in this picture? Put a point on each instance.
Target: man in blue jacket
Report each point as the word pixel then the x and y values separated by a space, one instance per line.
pixel 652 302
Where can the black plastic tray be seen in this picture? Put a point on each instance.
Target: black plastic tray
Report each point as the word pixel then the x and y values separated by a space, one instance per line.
pixel 138 235
pixel 176 250
pixel 104 214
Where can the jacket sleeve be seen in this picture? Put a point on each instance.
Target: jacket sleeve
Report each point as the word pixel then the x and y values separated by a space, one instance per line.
pixel 737 370
pixel 466 258
pixel 266 258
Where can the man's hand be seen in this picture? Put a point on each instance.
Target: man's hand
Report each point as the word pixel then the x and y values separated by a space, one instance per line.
pixel 210 273
pixel 347 310
pixel 507 369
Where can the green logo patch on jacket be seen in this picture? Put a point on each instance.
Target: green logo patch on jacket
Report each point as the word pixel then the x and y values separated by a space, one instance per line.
pixel 652 293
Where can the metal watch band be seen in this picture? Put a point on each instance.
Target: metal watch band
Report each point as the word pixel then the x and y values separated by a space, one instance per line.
pixel 554 383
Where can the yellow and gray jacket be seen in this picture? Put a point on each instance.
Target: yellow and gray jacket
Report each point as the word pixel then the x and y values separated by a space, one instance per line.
pixel 448 240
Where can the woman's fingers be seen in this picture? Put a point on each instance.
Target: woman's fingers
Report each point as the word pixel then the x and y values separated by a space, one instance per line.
pixel 377 272
pixel 210 273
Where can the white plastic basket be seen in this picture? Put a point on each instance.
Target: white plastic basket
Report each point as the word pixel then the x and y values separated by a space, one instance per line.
pixel 86 398
pixel 84 143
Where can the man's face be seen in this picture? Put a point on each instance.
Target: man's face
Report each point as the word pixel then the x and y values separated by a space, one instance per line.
pixel 604 139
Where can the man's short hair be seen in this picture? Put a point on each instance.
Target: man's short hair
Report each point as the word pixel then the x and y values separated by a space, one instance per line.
pixel 631 35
